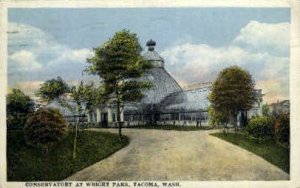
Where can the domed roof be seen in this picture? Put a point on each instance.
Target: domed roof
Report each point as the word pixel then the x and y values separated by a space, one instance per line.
pixel 152 55
pixel 163 85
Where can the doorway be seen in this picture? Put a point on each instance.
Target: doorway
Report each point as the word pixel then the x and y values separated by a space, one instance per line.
pixel 104 120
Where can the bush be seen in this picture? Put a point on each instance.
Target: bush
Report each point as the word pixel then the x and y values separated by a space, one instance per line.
pixel 18 107
pixel 282 128
pixel 44 128
pixel 16 122
pixel 260 127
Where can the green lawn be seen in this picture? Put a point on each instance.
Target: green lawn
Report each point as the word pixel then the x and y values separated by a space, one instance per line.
pixel 268 149
pixel 171 127
pixel 27 164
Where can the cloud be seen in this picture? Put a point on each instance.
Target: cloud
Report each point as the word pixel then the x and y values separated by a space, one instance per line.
pixel 72 56
pixel 21 36
pixel 272 38
pixel 24 61
pixel 194 63
pixel 260 48
pixel 80 55
pixel 32 49
pixel 262 53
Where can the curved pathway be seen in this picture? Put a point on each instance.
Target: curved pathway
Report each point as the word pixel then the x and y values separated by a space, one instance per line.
pixel 179 155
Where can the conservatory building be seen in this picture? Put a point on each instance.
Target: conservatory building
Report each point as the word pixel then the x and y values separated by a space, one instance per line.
pixel 165 103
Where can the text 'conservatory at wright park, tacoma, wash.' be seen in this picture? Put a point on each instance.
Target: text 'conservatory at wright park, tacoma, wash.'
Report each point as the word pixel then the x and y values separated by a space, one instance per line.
pixel 165 103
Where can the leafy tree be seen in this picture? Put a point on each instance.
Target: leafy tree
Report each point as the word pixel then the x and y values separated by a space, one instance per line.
pixel 282 128
pixel 119 64
pixel 78 94
pixel 53 89
pixel 232 91
pixel 18 106
pixel 216 118
pixel 93 96
pixel 83 95
pixel 86 95
pixel 44 128
pixel 265 110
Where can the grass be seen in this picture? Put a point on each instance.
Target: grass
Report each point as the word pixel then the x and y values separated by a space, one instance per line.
pixel 171 127
pixel 268 149
pixel 25 163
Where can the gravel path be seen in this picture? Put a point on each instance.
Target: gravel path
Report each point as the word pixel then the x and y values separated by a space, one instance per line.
pixel 179 155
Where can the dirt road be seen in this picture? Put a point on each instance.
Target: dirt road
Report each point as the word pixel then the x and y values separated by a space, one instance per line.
pixel 179 155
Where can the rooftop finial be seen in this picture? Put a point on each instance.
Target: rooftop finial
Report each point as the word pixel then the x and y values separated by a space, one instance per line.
pixel 151 43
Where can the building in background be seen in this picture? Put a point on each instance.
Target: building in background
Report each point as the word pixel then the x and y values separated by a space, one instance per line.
pixel 280 107
pixel 165 103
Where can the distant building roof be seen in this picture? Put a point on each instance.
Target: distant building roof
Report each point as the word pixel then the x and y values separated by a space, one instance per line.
pixel 279 107
pixel 281 103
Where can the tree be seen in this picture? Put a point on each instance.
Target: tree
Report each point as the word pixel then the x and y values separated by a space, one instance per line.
pixel 18 106
pixel 282 128
pixel 265 110
pixel 44 128
pixel 93 96
pixel 232 91
pixel 119 64
pixel 78 94
pixel 53 89
pixel 83 95
pixel 216 118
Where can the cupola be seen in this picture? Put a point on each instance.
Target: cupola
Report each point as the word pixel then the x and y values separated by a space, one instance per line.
pixel 152 56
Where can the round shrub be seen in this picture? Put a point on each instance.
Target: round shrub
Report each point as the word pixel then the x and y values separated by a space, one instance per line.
pixel 44 128
pixel 282 128
pixel 260 127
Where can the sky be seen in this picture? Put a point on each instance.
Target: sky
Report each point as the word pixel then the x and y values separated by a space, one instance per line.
pixel 196 43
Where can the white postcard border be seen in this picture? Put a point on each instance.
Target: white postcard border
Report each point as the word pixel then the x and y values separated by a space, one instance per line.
pixel 294 73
